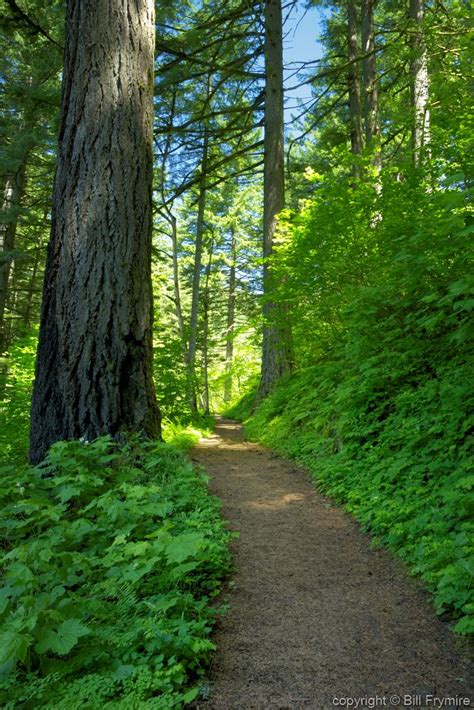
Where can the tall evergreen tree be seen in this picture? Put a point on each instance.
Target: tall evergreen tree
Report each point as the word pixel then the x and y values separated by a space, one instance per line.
pixel 419 81
pixel 94 365
pixel 275 347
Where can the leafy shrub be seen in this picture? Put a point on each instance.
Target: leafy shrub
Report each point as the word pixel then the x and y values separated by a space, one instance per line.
pixel 185 436
pixel 111 557
pixel 402 464
pixel 381 407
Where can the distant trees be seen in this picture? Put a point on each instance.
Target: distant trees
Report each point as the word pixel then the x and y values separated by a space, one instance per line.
pixel 94 365
pixel 209 108
pixel 222 180
pixel 29 66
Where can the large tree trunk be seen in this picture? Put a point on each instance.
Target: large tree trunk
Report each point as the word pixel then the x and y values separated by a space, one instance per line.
pixel 369 73
pixel 193 321
pixel 419 82
pixel 229 345
pixel 94 364
pixel 276 357
pixel 355 111
pixel 13 194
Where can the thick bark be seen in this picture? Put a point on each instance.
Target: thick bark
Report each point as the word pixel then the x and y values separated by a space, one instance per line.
pixel 94 364
pixel 420 134
pixel 276 357
pixel 193 320
pixel 353 80
pixel 369 73
pixel 229 345
pixel 13 194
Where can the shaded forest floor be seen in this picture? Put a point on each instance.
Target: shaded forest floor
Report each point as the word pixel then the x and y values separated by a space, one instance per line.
pixel 315 612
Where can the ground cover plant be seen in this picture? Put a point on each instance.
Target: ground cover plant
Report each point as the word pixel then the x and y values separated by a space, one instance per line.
pixel 111 556
pixel 202 200
pixel 381 407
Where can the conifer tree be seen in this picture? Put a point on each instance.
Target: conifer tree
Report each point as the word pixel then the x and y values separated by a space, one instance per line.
pixel 94 364
pixel 275 347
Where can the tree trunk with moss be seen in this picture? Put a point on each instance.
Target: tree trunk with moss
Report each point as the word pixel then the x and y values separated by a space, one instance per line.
pixel 94 364
pixel 194 315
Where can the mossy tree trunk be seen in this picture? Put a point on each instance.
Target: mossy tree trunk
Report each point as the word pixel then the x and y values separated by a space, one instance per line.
pixel 198 246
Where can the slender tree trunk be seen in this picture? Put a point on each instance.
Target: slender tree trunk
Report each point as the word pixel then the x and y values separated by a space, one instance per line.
pixel 205 334
pixel 193 321
pixel 369 73
pixel 176 287
pixel 276 356
pixel 32 287
pixel 353 81
pixel 420 134
pixel 94 364
pixel 229 346
pixel 13 195
pixel 168 215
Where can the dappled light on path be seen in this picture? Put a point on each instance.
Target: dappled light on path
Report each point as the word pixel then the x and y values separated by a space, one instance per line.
pixel 315 612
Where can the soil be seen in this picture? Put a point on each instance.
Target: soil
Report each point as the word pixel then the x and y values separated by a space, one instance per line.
pixel 317 618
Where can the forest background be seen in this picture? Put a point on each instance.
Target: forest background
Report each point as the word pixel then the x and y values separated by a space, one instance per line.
pixel 367 280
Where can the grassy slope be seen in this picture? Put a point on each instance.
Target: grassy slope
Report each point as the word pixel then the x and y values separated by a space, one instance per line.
pixel 387 435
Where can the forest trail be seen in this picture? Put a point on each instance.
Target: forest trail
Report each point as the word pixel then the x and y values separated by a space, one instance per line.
pixel 315 613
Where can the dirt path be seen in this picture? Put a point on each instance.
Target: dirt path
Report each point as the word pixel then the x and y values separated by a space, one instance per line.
pixel 316 614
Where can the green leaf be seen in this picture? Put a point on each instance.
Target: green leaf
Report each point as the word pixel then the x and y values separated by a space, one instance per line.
pixel 63 639
pixel 14 646
pixel 190 695
pixel 65 493
pixel 183 546
pixel 465 625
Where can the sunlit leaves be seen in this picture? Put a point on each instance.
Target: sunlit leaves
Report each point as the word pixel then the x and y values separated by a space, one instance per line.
pixel 110 556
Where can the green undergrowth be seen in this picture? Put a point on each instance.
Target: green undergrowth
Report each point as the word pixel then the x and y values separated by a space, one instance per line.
pixel 185 435
pixel 111 557
pixel 384 424
pixel 16 379
pixel 380 409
